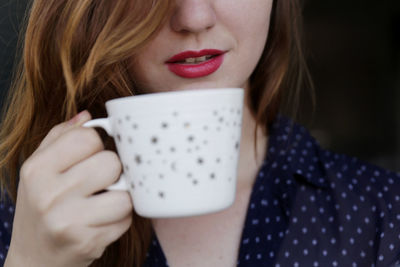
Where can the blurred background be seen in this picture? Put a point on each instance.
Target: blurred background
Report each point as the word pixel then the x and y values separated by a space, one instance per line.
pixel 353 50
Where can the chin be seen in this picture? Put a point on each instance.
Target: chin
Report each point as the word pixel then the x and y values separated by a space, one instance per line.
pixel 204 85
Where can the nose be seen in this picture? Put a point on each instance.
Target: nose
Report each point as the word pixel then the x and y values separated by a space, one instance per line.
pixel 193 16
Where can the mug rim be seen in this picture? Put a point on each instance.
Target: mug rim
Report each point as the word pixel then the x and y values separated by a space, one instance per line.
pixel 171 94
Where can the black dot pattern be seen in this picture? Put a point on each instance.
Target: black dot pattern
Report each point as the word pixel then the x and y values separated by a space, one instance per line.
pixel 312 207
pixel 162 156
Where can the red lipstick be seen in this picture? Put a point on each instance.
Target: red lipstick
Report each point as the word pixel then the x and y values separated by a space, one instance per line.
pixel 196 64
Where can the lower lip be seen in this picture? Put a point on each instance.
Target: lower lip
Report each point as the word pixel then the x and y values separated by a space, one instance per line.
pixel 197 70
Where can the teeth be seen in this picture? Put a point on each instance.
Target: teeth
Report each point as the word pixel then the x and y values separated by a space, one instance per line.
pixel 192 60
pixel 201 59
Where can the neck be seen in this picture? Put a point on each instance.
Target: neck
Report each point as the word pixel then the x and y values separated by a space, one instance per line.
pixel 250 157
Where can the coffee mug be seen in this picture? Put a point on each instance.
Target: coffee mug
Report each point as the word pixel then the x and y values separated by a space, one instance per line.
pixel 179 149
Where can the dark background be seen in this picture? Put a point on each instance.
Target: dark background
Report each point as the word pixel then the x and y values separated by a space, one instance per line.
pixel 353 50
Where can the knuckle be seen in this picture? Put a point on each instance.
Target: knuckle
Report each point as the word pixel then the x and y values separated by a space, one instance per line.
pixel 43 204
pixel 113 161
pixel 85 138
pixel 60 231
pixel 124 203
pixel 92 138
pixel 89 249
pixel 27 170
pixel 32 172
pixel 127 225
pixel 55 132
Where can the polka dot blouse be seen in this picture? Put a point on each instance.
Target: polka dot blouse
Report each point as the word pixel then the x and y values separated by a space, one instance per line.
pixel 308 207
pixel 311 207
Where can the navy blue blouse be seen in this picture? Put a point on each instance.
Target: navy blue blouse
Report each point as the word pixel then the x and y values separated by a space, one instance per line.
pixel 311 207
pixel 308 207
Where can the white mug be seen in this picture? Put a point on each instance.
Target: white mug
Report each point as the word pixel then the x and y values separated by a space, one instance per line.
pixel 179 149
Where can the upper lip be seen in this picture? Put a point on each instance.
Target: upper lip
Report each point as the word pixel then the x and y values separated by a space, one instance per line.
pixel 191 54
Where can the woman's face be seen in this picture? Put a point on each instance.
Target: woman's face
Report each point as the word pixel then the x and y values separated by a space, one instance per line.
pixel 205 44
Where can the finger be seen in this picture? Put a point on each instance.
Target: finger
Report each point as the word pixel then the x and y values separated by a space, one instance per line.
pixel 70 148
pixel 93 174
pixel 112 232
pixel 61 128
pixel 107 208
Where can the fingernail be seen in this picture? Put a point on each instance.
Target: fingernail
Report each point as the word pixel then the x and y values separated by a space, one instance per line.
pixel 79 118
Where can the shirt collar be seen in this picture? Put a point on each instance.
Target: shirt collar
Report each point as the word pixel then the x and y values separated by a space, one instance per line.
pixel 296 152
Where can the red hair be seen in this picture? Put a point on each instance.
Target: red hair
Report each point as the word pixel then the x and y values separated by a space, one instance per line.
pixel 75 57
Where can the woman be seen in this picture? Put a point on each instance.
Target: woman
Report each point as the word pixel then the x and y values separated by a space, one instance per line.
pixel 296 205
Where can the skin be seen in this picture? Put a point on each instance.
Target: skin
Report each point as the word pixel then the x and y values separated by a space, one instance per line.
pixel 60 222
pixel 241 29
pixel 238 27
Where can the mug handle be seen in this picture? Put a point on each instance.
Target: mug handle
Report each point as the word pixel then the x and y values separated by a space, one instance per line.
pixel 106 125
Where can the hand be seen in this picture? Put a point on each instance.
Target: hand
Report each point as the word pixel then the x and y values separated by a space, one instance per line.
pixel 59 220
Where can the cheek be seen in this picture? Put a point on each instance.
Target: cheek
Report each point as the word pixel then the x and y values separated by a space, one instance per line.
pixel 250 27
pixel 142 71
pixel 248 18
